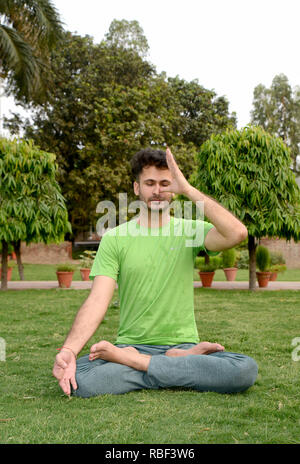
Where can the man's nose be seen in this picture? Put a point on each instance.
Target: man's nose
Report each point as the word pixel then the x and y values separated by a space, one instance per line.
pixel 156 189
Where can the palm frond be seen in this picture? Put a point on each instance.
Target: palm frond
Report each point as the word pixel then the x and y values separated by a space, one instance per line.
pixel 35 20
pixel 44 18
pixel 17 56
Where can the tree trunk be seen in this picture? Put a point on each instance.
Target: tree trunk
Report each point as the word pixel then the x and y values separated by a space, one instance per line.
pixel 17 248
pixel 206 258
pixel 252 262
pixel 4 265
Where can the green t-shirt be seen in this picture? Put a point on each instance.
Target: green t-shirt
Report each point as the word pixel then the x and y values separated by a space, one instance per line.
pixel 154 271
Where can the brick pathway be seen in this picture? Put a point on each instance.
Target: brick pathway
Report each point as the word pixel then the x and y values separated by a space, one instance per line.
pixel 83 285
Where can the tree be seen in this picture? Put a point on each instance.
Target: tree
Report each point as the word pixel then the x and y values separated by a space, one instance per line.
pixel 32 208
pixel 29 29
pixel 128 35
pixel 277 110
pixel 106 103
pixel 248 172
pixel 202 113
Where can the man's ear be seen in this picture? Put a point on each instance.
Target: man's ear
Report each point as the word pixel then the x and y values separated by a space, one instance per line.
pixel 136 187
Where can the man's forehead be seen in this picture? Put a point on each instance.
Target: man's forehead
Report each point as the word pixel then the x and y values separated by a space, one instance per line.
pixel 154 173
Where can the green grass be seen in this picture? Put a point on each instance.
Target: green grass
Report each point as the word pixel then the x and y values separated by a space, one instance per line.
pixel 33 409
pixel 40 272
pixel 47 272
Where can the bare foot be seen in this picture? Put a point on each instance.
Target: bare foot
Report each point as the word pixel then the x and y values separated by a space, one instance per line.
pixel 128 356
pixel 201 348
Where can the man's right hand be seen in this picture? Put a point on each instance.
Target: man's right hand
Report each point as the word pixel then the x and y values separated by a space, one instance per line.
pixel 64 370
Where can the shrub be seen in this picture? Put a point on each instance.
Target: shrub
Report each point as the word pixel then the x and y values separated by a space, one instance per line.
pixel 210 267
pixel 199 261
pixel 263 258
pixel 243 262
pixel 228 258
pixel 278 268
pixel 87 259
pixel 277 257
pixel 65 268
pixel 215 262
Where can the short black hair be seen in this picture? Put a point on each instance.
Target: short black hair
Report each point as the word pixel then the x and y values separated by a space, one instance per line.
pixel 148 157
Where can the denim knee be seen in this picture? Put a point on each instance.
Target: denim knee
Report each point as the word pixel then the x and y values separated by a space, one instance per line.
pixel 245 374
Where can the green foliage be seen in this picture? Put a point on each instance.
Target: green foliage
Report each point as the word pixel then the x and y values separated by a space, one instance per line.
pixel 278 268
pixel 248 172
pixel 10 248
pixel 106 103
pixel 209 267
pixel 243 261
pixel 29 29
pixel 87 259
pixel 215 262
pixel 229 258
pixel 129 35
pixel 277 110
pixel 32 208
pixel 65 268
pixel 277 257
pixel 263 258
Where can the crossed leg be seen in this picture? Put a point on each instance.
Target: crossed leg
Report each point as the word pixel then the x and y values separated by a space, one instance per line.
pixel 203 367
pixel 130 357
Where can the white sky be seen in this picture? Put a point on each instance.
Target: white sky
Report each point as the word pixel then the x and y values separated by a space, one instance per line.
pixel 228 45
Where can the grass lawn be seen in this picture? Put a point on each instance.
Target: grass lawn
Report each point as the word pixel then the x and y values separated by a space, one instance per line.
pixel 33 409
pixel 47 272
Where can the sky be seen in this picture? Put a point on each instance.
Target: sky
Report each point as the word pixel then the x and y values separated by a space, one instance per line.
pixel 229 46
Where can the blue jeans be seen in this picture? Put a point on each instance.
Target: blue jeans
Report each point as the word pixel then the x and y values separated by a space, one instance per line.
pixel 221 372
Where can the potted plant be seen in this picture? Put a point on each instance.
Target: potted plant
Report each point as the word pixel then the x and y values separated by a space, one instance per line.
pixel 86 262
pixel 64 274
pixel 207 272
pixel 277 264
pixel 275 269
pixel 228 264
pixel 263 259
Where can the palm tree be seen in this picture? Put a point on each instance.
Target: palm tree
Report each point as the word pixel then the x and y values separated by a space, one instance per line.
pixel 29 29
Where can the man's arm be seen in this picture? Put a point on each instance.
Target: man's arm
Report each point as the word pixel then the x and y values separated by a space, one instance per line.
pixel 228 231
pixel 91 313
pixel 86 322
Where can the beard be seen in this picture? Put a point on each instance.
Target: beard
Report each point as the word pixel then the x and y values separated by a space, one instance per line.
pixel 156 204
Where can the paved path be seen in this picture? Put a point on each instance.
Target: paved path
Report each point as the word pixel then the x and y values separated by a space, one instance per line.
pixel 83 285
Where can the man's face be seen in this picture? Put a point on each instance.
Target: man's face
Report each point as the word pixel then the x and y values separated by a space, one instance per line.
pixel 148 188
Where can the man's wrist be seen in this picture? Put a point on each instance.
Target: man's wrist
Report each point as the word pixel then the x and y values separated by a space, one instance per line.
pixel 67 348
pixel 189 190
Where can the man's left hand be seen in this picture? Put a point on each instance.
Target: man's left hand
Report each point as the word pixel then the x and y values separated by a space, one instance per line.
pixel 179 184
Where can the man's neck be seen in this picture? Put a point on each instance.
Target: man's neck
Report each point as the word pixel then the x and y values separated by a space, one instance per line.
pixel 153 219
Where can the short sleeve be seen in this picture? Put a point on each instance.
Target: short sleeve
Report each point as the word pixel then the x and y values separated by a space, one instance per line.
pixel 205 228
pixel 106 261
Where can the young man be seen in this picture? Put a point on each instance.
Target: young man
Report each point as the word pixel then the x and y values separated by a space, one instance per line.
pixel 151 258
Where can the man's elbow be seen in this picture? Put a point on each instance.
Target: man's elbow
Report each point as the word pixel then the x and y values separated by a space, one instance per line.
pixel 241 234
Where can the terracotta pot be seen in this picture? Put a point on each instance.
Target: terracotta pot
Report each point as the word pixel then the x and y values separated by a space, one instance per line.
pixel 206 278
pixel 273 276
pixel 263 278
pixel 64 278
pixel 9 272
pixel 230 273
pixel 85 272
